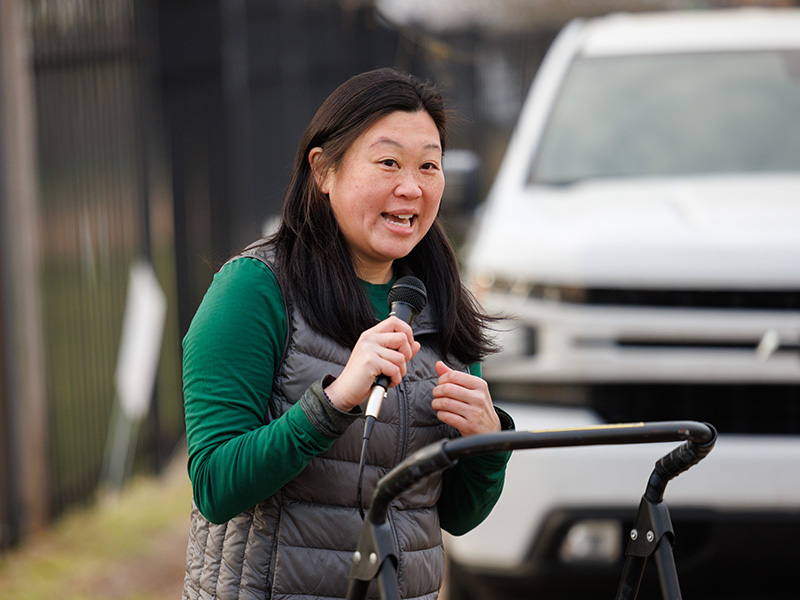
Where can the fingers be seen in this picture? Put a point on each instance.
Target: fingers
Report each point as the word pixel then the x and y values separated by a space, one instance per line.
pixel 390 341
pixel 390 362
pixel 396 325
pixel 463 401
pixel 382 349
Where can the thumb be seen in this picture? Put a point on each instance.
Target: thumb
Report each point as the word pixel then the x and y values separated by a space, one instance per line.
pixel 442 368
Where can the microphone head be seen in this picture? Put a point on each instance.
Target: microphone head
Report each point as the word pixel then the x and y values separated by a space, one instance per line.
pixel 409 290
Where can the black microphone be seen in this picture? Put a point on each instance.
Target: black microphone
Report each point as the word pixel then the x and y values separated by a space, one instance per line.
pixel 407 298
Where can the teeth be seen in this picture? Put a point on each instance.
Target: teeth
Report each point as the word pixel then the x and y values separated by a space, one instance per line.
pixel 403 220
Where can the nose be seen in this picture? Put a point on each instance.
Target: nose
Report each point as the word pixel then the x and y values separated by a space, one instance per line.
pixel 408 186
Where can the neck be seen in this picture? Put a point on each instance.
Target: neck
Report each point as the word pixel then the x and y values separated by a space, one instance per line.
pixel 376 274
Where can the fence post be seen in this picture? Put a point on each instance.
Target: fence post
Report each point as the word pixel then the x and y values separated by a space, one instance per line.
pixel 23 369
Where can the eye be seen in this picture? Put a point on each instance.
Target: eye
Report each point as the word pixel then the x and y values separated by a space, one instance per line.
pixel 389 162
pixel 429 166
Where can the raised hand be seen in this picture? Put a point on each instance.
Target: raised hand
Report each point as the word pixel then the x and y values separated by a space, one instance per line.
pixel 463 401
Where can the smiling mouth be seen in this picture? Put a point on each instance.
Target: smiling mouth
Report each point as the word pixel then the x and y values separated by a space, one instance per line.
pixel 400 220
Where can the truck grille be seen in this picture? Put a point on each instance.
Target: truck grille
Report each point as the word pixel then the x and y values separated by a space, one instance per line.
pixel 738 299
pixel 753 409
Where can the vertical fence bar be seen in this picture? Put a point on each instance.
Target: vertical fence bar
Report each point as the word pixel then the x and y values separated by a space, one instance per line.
pixel 24 506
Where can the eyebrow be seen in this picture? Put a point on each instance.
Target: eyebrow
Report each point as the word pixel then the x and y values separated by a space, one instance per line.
pixel 393 142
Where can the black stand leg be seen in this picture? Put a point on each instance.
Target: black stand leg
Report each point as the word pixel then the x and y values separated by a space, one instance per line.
pixel 631 577
pixel 652 535
pixel 667 572
pixel 376 558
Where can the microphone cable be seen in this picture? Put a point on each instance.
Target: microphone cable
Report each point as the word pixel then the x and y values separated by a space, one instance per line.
pixel 362 463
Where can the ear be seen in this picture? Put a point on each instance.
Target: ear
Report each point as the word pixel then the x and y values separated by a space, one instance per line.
pixel 318 169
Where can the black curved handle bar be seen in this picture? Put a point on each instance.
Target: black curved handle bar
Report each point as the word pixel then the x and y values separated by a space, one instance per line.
pixel 375 557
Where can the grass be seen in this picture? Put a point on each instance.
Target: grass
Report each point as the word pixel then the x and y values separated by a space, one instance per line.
pixel 128 546
pixel 84 307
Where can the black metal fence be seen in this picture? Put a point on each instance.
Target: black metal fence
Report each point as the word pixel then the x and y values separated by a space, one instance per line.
pixel 99 210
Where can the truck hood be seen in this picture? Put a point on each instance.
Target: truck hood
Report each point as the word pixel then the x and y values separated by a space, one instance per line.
pixel 695 232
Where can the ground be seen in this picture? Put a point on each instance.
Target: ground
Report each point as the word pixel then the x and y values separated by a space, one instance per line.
pixel 127 546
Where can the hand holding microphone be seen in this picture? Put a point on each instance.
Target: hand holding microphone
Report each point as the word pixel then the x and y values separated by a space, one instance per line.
pixel 406 299
pixel 379 358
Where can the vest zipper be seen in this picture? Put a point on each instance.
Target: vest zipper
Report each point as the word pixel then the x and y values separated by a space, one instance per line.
pixel 402 417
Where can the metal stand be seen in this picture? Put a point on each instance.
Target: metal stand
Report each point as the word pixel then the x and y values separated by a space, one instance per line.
pixel 376 557
pixel 652 533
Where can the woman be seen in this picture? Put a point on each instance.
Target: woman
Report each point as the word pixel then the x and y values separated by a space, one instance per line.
pixel 287 344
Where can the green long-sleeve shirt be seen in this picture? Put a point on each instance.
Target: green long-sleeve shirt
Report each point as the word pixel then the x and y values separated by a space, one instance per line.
pixel 231 351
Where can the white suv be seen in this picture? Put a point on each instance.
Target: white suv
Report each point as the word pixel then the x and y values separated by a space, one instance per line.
pixel 643 235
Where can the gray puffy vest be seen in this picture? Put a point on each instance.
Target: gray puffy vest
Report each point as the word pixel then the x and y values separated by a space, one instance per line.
pixel 299 543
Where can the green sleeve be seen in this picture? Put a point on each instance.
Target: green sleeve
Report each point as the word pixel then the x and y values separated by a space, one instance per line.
pixel 231 351
pixel 472 488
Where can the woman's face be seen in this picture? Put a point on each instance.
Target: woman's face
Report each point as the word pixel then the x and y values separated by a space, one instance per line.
pixel 386 192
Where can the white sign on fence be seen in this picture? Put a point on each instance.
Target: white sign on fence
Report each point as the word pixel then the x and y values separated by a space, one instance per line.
pixel 137 364
pixel 140 347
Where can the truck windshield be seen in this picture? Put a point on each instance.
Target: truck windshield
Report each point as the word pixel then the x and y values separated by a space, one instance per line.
pixel 674 114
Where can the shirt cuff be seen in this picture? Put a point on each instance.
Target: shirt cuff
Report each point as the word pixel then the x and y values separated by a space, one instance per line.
pixel 324 416
pixel 506 422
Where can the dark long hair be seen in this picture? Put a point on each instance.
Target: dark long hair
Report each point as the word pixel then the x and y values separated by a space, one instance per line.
pixel 314 264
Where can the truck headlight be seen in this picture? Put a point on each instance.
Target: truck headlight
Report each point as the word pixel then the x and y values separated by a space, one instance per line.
pixel 592 540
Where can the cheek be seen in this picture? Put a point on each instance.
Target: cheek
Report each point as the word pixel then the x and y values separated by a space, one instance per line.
pixel 429 216
pixel 352 191
pixel 339 196
pixel 434 197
